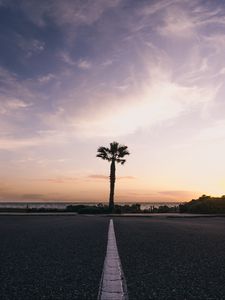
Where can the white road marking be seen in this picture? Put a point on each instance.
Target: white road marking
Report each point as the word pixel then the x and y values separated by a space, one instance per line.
pixel 113 284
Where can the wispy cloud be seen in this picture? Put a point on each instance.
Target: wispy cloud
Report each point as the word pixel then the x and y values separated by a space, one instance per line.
pixel 99 176
pixel 33 196
pixel 176 194
pixel 177 23
pixel 155 7
pixel 46 78
pixel 157 100
pixel 37 140
pixel 213 133
pixel 184 19
pixel 60 180
pixel 30 46
pixel 150 89
pixel 67 58
pixel 14 90
pixel 11 104
pixel 81 63
pixel 67 12
pixel 158 196
pixel 84 64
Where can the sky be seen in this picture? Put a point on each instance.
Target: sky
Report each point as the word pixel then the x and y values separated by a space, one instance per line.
pixel 76 75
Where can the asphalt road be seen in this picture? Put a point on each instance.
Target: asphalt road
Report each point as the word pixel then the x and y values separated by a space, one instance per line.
pixel 172 258
pixel 51 257
pixel 61 257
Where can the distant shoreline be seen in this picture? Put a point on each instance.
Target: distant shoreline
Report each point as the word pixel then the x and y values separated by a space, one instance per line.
pixel 62 205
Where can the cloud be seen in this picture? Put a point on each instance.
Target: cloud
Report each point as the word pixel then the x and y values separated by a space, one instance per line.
pixel 99 176
pixel 84 64
pixel 156 196
pixel 33 196
pixel 177 23
pixel 184 19
pixel 16 104
pixel 146 90
pixel 14 90
pixel 21 101
pixel 176 194
pixel 157 101
pixel 81 63
pixel 127 177
pixel 46 78
pixel 156 7
pixel 30 46
pixel 149 95
pixel 9 104
pixel 107 63
pixel 66 12
pixel 149 92
pixel 40 139
pixel 67 58
pixel 216 132
pixel 60 180
pixel 13 144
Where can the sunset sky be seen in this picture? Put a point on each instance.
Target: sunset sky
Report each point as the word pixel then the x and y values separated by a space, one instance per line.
pixel 75 75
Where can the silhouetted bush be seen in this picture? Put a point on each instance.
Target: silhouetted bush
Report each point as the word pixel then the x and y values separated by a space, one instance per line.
pixel 75 208
pixel 161 209
pixel 88 209
pixel 104 209
pixel 94 210
pixel 204 205
pixel 133 208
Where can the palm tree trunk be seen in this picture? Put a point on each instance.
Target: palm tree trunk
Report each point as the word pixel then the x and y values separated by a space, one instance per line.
pixel 112 185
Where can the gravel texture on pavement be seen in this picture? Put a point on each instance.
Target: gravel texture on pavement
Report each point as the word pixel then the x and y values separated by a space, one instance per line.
pixel 172 258
pixel 51 257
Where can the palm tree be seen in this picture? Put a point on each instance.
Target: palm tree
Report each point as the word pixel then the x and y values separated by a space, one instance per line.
pixel 113 154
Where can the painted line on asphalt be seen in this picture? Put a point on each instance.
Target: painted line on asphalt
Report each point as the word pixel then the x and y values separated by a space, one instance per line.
pixel 113 283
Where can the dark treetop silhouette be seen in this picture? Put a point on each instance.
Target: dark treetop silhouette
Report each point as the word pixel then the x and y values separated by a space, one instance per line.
pixel 114 154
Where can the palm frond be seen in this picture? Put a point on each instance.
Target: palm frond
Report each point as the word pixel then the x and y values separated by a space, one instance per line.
pixel 114 148
pixel 103 153
pixel 103 156
pixel 120 161
pixel 122 151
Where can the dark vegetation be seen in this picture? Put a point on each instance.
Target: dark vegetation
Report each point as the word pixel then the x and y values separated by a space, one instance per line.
pixel 204 205
pixel 96 209
pixel 30 210
pixel 161 209
pixel 104 209
pixel 119 209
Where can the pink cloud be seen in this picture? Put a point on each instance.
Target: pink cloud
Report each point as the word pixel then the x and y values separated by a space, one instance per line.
pixel 99 176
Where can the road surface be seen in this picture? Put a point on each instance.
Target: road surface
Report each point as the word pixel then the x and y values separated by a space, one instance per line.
pixel 51 257
pixel 172 258
pixel 62 257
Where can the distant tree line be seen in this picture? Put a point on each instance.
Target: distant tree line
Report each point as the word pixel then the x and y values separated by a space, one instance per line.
pixel 120 209
pixel 204 205
pixel 104 209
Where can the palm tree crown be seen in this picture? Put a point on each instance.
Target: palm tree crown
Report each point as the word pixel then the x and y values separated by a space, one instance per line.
pixel 116 152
